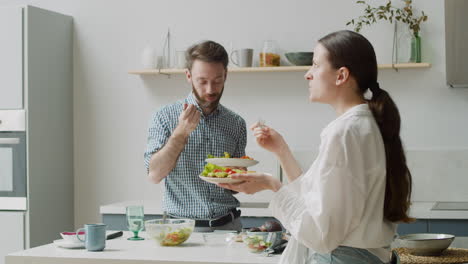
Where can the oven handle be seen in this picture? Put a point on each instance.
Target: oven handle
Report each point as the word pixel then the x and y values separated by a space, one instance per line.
pixel 9 141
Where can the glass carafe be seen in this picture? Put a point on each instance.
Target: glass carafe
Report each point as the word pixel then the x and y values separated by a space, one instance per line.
pixel 269 56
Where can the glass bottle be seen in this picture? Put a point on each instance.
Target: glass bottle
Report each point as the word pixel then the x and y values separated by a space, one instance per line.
pixel 415 48
pixel 269 56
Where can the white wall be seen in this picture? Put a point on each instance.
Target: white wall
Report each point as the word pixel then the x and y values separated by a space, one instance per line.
pixel 112 108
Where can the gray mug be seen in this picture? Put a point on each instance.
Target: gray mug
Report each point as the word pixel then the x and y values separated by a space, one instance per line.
pixel 95 236
pixel 242 57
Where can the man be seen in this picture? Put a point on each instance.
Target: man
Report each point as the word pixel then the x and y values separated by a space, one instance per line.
pixel 181 135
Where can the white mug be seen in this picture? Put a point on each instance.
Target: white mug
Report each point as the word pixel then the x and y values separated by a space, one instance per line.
pixel 181 63
pixel 148 57
pixel 242 57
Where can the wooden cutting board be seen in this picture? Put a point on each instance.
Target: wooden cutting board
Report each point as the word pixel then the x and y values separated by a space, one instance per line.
pixel 450 255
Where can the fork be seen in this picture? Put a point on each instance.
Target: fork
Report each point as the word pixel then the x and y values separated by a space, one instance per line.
pixel 261 122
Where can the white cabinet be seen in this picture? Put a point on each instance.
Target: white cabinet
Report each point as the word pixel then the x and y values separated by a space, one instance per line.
pixel 36 69
pixel 11 57
pixel 12 233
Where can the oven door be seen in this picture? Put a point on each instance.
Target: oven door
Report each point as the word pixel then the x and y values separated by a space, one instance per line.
pixel 12 171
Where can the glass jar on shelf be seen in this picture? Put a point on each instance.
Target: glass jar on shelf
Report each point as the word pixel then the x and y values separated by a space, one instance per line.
pixel 269 56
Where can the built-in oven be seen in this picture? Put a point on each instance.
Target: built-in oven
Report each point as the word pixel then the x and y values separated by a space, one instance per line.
pixel 13 160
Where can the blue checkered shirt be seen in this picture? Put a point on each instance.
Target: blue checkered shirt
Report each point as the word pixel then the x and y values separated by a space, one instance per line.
pixel 186 195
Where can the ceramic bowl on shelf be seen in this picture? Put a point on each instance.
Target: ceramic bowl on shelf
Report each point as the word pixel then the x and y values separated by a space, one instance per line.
pixel 426 244
pixel 171 232
pixel 300 58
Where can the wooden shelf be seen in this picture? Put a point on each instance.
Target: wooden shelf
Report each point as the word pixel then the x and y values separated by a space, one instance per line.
pixel 276 69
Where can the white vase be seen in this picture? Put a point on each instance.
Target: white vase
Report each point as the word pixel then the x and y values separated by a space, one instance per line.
pixel 148 57
pixel 403 44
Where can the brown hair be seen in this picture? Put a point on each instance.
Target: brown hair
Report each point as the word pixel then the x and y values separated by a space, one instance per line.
pixel 207 51
pixel 353 51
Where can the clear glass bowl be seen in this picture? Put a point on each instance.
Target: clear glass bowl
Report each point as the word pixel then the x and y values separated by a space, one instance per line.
pixel 172 232
pixel 258 242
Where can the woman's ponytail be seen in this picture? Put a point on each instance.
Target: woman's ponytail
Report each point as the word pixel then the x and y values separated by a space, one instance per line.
pixel 399 184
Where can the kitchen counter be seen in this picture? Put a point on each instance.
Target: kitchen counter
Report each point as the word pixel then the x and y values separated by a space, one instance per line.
pixel 121 250
pixel 155 208
pixel 419 210
pixel 424 210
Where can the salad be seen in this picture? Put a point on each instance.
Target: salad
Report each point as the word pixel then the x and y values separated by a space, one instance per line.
pixel 212 170
pixel 256 243
pixel 174 238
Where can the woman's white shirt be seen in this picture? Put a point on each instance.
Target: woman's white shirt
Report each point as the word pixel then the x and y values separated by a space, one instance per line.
pixel 339 200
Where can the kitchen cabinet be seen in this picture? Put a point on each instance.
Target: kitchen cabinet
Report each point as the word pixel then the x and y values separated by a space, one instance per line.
pixel 456 36
pixel 253 214
pixel 457 227
pixel 119 221
pixel 39 84
pixel 445 226
pixel 11 54
pixel 12 233
pixel 275 69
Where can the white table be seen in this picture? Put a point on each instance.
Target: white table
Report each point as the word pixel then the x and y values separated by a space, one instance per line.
pixel 121 250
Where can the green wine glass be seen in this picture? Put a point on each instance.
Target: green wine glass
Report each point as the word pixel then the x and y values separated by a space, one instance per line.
pixel 135 218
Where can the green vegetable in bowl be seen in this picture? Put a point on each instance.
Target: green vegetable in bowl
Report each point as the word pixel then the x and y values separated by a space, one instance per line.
pixel 256 243
pixel 174 238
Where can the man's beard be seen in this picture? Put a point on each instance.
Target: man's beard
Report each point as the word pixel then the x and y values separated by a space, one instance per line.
pixel 206 104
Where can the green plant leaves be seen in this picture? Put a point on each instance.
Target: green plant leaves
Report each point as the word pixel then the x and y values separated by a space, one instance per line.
pixel 390 13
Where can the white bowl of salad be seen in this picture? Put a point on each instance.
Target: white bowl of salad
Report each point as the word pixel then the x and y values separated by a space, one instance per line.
pixel 171 232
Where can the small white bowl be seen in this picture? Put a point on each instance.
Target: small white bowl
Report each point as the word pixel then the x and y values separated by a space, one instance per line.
pixel 426 244
pixel 71 237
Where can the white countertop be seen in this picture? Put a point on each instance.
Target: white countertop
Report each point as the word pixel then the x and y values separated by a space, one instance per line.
pixel 423 210
pixel 121 250
pixel 419 210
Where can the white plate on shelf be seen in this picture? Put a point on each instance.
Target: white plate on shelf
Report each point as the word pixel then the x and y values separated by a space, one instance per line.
pixel 219 180
pixel 68 244
pixel 232 162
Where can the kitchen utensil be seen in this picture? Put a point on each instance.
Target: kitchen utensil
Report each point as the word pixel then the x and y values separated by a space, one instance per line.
pixel 95 236
pixel 171 232
pixel 300 58
pixel 426 244
pixel 164 217
pixel 261 122
pixel 180 59
pixel 71 236
pixel 68 244
pixel 114 235
pixel 135 218
pixel 218 238
pixel 242 57
pixel 148 57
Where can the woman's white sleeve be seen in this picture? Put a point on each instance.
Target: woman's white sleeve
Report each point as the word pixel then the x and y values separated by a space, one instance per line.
pixel 331 204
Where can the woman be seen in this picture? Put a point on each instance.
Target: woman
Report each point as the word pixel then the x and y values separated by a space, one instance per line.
pixel 344 209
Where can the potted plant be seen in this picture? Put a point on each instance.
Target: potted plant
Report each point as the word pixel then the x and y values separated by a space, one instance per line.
pixel 390 13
